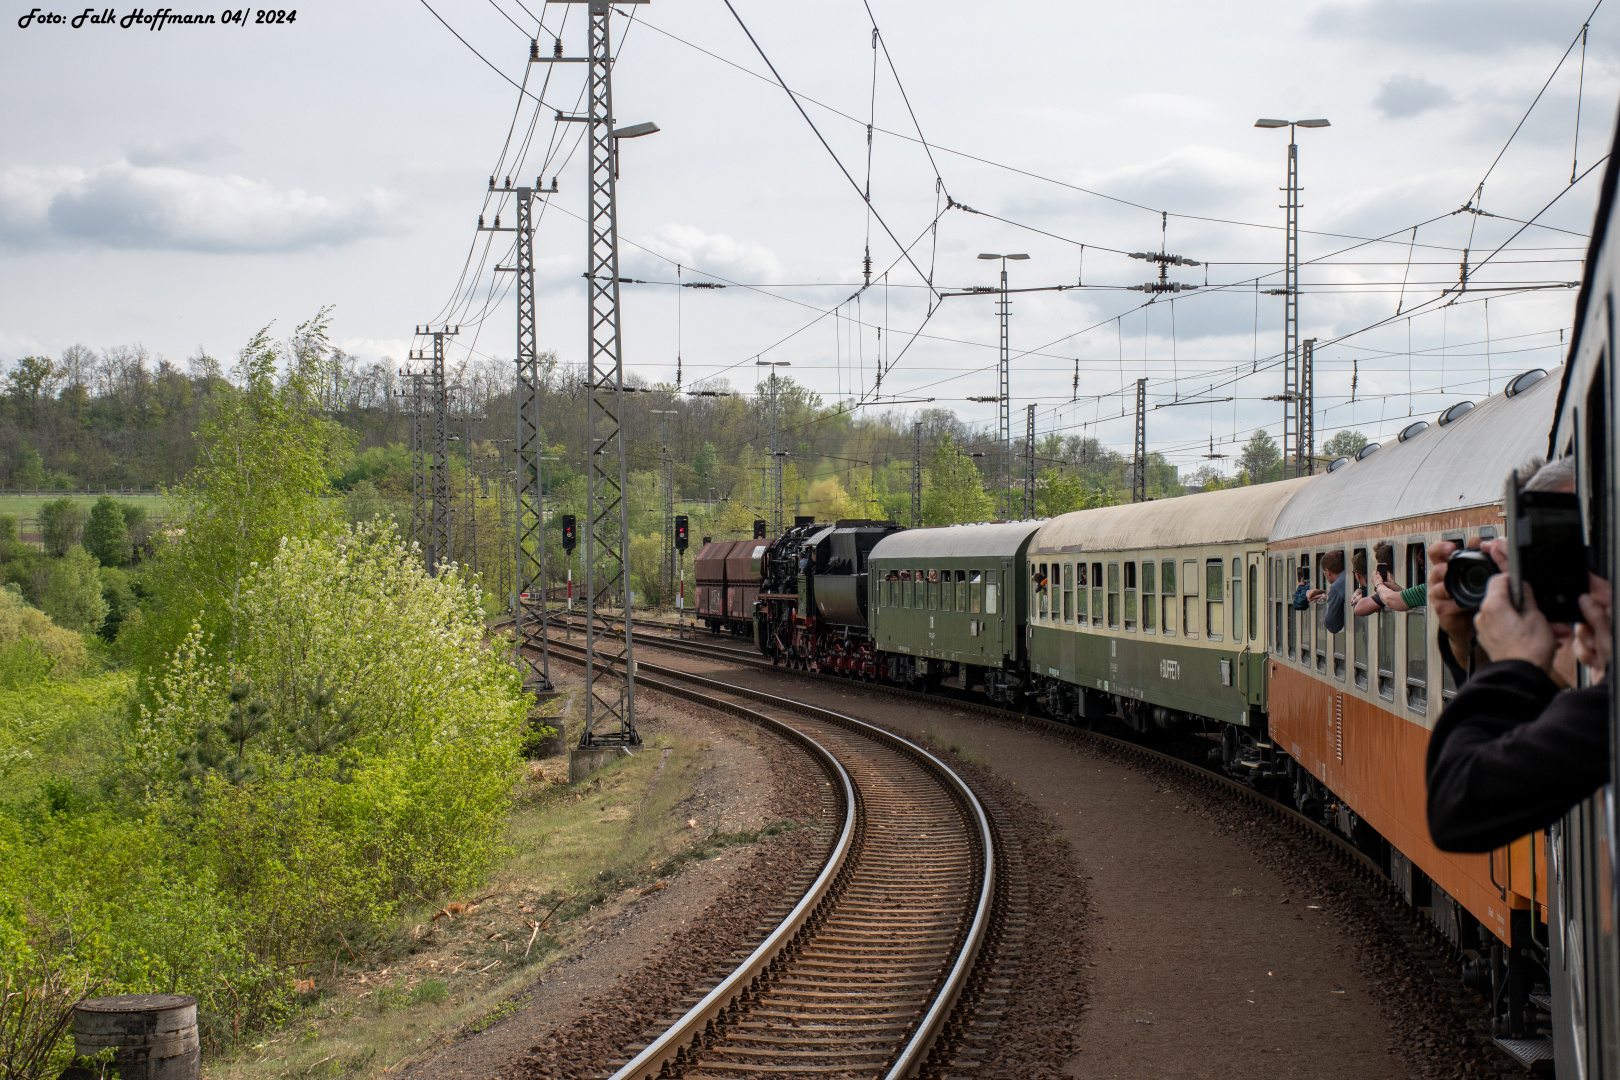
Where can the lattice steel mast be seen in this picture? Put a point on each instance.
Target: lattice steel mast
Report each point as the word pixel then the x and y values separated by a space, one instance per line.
pixel 916 474
pixel 1295 463
pixel 610 677
pixel 438 494
pixel 1139 468
pixel 1029 462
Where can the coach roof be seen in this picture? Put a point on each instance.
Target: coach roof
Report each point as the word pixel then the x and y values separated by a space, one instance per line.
pixel 1005 538
pixel 1232 515
pixel 1460 465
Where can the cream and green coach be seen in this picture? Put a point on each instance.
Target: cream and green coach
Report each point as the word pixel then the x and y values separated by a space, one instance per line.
pixel 1153 609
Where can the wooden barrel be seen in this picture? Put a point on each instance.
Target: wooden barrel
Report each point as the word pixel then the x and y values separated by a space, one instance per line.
pixel 153 1036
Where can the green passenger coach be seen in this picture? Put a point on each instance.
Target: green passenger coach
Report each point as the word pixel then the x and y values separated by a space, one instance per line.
pixel 1153 608
pixel 947 605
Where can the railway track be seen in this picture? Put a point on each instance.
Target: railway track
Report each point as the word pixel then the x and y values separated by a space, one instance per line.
pixel 865 975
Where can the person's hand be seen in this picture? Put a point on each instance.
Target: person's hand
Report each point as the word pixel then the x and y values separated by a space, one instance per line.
pixel 1391 596
pixel 1315 594
pixel 1507 633
pixel 1457 623
pixel 1593 643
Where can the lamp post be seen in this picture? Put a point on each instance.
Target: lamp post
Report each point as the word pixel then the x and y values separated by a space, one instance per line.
pixel 1004 310
pixel 1297 406
pixel 776 451
pixel 667 467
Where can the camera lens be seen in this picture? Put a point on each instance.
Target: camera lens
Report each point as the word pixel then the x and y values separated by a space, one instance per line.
pixel 1467 575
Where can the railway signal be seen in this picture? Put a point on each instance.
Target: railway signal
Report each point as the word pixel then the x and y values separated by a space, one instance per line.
pixel 570 532
pixel 759 529
pixel 680 532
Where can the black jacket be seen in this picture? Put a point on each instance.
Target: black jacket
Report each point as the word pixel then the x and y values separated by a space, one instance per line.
pixel 1511 754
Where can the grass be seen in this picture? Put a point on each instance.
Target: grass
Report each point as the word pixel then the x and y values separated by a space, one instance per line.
pixel 949 743
pixel 26 507
pixel 573 848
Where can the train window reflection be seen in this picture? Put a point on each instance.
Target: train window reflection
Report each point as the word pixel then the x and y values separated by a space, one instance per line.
pixel 1359 633
pixel 1237 599
pixel 1129 570
pixel 1040 591
pixel 1096 594
pixel 1068 592
pixel 989 592
pixel 1168 624
pixel 1293 616
pixel 1214 600
pixel 975 591
pixel 1113 596
pixel 1189 598
pixel 961 590
pixel 1149 601
pixel 1080 588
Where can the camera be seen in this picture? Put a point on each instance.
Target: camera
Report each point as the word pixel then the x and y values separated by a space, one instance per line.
pixel 1547 548
pixel 1467 575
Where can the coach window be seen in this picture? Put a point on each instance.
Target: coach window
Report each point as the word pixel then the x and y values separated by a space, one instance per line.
pixel 1129 570
pixel 1214 600
pixel 961 590
pixel 1338 638
pixel 1039 585
pixel 989 592
pixel 1359 631
pixel 1417 640
pixel 1080 587
pixel 1305 636
pixel 1277 639
pixel 1237 600
pixel 1113 596
pixel 1068 592
pixel 1292 616
pixel 1448 685
pixel 1168 623
pixel 1189 598
pixel 933 590
pixel 975 591
pixel 1150 603
pixel 1096 594
pixel 1318 612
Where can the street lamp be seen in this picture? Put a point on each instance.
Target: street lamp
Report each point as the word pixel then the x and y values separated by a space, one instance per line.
pixel 1004 310
pixel 1297 393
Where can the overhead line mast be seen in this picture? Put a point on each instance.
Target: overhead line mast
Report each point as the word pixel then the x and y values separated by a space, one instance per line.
pixel 610 673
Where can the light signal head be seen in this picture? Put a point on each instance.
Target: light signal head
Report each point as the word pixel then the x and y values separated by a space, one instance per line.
pixel 569 532
pixel 680 532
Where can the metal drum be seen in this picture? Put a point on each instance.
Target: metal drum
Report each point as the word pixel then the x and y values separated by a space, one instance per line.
pixel 153 1036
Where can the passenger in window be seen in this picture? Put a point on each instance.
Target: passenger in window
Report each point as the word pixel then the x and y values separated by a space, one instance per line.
pixel 1303 590
pixel 1333 567
pixel 1514 751
pixel 1370 600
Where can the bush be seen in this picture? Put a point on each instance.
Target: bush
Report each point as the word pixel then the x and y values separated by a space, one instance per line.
pixel 72 597
pixel 25 630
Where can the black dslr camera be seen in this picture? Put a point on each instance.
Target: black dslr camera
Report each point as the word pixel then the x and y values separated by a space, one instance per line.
pixel 1545 548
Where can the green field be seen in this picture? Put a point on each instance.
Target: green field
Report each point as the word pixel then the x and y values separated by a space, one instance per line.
pixel 26 507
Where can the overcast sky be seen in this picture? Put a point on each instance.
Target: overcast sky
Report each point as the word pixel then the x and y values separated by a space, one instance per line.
pixel 183 187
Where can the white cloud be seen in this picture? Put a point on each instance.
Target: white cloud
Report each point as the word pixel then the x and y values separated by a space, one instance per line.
pixel 123 205
pixel 146 152
pixel 714 253
pixel 1402 96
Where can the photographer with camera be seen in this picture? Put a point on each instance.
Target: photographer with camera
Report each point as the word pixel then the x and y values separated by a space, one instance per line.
pixel 1516 749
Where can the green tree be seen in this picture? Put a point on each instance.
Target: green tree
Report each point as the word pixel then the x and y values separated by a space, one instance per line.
pixel 30 468
pixel 265 455
pixel 1344 443
pixel 706 462
pixel 956 494
pixel 61 525
pixel 73 596
pixel 106 535
pixel 1261 459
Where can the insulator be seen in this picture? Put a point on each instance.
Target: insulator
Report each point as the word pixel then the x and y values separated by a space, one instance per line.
pixel 508 181
pixel 556 48
pixel 480 221
pixel 534 49
pixel 492 183
pixel 497 221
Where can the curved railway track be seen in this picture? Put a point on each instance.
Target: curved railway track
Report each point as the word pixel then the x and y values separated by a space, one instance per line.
pixel 864 976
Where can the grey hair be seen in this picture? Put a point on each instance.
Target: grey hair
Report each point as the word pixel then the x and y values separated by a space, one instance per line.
pixel 1556 475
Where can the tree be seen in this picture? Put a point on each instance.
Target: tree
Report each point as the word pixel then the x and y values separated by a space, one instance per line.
pixel 30 469
pixel 1261 458
pixel 956 495
pixel 706 462
pixel 107 534
pixel 61 525
pixel 1344 443
pixel 265 455
pixel 73 596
